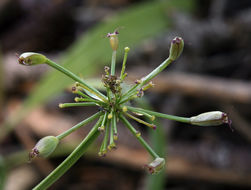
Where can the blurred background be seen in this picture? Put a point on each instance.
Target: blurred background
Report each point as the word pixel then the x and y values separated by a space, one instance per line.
pixel 213 73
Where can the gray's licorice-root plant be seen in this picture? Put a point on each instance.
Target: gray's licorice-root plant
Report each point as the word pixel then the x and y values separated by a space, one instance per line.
pixel 115 108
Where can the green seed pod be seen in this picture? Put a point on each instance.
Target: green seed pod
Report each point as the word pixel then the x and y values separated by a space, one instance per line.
pixel 30 58
pixel 44 147
pixel 176 48
pixel 156 166
pixel 212 118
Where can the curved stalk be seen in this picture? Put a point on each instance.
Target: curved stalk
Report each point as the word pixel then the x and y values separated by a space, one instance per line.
pixel 146 79
pixel 71 159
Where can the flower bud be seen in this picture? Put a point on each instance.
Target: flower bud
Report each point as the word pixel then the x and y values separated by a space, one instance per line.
pixel 212 118
pixel 114 40
pixel 156 166
pixel 44 147
pixel 127 49
pixel 176 48
pixel 30 58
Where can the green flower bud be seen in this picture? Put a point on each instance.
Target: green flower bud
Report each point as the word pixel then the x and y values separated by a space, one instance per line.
pixel 30 58
pixel 176 48
pixel 156 166
pixel 127 49
pixel 212 118
pixel 44 147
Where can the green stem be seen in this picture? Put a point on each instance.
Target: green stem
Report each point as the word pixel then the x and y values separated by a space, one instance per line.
pixel 136 134
pixel 103 148
pixel 162 115
pixel 66 105
pixel 81 124
pixel 114 123
pixel 151 117
pixel 76 78
pixel 104 121
pixel 123 66
pixel 71 159
pixel 77 99
pixel 111 144
pixel 113 62
pixel 81 94
pixel 141 121
pixel 147 78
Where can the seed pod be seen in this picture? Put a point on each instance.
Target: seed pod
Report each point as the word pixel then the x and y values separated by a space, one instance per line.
pixel 212 118
pixel 156 166
pixel 44 147
pixel 30 58
pixel 114 40
pixel 176 48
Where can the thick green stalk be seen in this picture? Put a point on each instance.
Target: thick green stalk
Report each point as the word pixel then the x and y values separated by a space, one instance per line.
pixel 147 79
pixel 113 62
pixel 162 115
pixel 136 134
pixel 71 159
pixel 81 124
pixel 155 72
pixel 76 78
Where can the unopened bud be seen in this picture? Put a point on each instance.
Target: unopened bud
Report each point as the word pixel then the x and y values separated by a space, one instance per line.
pixel 212 118
pixel 44 147
pixel 109 116
pixel 106 70
pixel 124 109
pixel 114 41
pixel 111 146
pixel 138 81
pixel 147 86
pixel 156 166
pixel 115 137
pixel 127 49
pixel 176 48
pixel 138 134
pixel 31 58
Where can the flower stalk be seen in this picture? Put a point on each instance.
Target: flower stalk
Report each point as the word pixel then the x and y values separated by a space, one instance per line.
pixel 112 108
